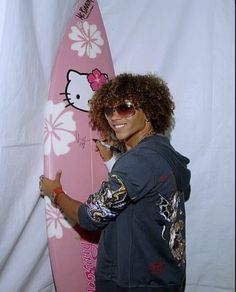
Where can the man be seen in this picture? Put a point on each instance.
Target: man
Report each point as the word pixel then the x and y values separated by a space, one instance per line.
pixel 140 208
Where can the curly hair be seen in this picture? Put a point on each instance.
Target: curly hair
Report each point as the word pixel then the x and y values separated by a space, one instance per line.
pixel 148 92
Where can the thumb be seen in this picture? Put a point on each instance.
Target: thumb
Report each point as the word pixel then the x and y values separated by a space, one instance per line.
pixel 58 177
pixel 104 152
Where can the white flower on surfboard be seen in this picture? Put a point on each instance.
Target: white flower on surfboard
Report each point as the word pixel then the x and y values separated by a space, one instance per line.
pixel 55 221
pixel 87 39
pixel 59 128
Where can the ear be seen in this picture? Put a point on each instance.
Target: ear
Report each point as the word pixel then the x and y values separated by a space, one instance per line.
pixel 72 74
pixel 147 118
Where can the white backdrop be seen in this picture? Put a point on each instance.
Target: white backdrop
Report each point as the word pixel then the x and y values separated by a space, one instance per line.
pixel 190 43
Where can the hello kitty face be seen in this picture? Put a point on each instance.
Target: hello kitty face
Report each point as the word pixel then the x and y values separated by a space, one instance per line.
pixel 81 86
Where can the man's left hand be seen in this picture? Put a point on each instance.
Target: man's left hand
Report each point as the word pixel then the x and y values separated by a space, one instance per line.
pixel 47 186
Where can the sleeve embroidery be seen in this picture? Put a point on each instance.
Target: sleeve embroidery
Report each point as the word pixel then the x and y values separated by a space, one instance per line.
pixel 109 201
pixel 171 210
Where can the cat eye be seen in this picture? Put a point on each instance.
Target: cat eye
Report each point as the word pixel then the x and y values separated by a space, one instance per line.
pixel 124 110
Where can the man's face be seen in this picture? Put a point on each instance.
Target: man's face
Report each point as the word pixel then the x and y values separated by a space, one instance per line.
pixel 128 128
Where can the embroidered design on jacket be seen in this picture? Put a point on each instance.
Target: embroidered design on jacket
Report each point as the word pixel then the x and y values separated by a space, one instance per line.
pixel 177 243
pixel 109 201
pixel 170 211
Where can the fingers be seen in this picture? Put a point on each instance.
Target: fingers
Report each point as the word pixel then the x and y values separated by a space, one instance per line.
pixel 101 147
pixel 104 152
pixel 40 185
pixel 46 186
pixel 107 139
pixel 58 177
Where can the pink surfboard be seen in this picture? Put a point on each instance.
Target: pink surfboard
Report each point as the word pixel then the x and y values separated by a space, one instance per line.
pixel 82 65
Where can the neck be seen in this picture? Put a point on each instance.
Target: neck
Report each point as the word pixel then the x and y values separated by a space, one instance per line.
pixel 136 138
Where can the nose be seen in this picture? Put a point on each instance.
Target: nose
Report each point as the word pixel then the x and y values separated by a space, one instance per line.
pixel 115 115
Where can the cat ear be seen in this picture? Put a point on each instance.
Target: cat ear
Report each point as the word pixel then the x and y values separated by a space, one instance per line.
pixel 72 74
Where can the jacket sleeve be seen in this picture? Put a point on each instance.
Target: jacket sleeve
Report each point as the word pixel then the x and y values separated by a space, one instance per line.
pixel 105 205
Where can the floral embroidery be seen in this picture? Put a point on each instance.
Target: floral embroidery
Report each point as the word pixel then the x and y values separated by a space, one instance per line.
pixel 157 268
pixel 55 221
pixel 87 39
pixel 170 211
pixel 109 201
pixel 96 79
pixel 58 129
pixel 177 243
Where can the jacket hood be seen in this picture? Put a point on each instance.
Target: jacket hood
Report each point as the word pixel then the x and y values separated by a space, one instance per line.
pixel 177 161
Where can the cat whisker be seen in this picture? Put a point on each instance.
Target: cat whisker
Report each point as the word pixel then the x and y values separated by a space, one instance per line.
pixel 70 104
pixel 64 93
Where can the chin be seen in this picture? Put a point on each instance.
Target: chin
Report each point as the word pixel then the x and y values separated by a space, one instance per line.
pixel 120 137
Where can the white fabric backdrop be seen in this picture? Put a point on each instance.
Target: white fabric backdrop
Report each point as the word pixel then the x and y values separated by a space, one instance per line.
pixel 190 43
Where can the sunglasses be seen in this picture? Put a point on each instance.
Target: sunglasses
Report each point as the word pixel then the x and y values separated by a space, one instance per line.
pixel 124 110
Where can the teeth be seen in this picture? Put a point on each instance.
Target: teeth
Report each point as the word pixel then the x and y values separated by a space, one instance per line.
pixel 118 126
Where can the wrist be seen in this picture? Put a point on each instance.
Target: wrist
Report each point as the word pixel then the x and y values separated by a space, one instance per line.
pixel 109 163
pixel 55 194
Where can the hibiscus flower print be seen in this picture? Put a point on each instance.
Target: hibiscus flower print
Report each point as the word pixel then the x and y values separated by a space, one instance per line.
pixel 59 128
pixel 55 221
pixel 97 79
pixel 87 39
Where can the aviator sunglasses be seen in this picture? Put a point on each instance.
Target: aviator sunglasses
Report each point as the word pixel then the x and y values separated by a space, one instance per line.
pixel 124 110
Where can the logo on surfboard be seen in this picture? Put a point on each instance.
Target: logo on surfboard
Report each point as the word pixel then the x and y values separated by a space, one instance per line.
pixel 85 9
pixel 81 86
pixel 87 39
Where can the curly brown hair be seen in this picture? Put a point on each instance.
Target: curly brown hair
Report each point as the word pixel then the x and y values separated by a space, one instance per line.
pixel 148 92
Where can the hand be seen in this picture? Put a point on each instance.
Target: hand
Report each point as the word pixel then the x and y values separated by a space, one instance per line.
pixel 105 153
pixel 46 186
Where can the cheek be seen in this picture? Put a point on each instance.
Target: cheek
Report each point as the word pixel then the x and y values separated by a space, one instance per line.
pixel 110 124
pixel 140 121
